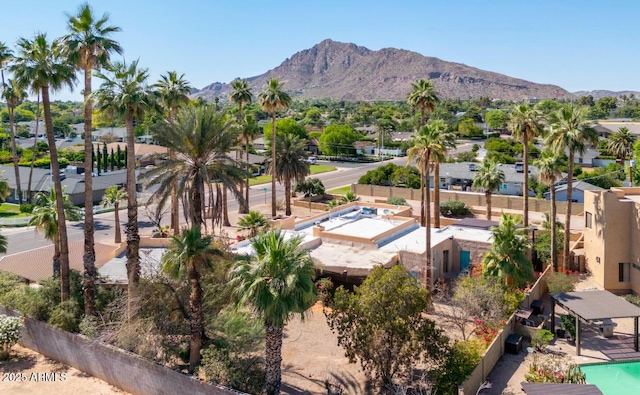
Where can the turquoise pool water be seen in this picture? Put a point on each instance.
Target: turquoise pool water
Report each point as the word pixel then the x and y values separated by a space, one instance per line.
pixel 620 378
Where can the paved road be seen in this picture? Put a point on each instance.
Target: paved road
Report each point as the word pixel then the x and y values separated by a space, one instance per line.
pixel 23 239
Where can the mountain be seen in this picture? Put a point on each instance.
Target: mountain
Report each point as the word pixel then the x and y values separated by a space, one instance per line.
pixel 342 71
pixel 597 94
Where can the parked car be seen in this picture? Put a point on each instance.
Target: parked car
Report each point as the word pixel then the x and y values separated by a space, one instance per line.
pixel 312 160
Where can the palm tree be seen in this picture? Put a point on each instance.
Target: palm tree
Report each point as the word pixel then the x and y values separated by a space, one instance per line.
pixel 89 46
pixel 201 138
pixel 277 283
pixel 423 97
pixel 570 131
pixel 41 66
pixel 291 164
pixel 242 94
pixel 188 255
pixel 35 148
pixel 272 99
pixel 448 141
pixel 45 219
pixel 549 173
pixel 173 91
pixel 428 146
pixel 112 197
pixel 489 177
pixel 524 123
pixel 249 130
pixel 620 144
pixel 507 258
pixel 14 94
pixel 6 54
pixel 254 222
pixel 124 92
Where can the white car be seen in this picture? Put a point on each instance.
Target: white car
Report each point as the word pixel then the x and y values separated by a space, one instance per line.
pixel 312 160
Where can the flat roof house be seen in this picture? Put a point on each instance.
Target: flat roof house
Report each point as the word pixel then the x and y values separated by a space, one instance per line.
pixel 459 176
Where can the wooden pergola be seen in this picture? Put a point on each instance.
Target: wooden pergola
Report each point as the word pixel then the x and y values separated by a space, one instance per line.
pixel 589 306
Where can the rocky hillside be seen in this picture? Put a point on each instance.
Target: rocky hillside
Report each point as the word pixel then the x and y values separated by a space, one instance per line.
pixel 597 94
pixel 343 71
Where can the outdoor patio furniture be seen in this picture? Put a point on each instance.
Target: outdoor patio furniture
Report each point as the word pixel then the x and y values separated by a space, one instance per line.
pixel 513 344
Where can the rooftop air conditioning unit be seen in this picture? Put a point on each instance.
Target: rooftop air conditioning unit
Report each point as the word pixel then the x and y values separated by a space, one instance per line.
pixel 472 167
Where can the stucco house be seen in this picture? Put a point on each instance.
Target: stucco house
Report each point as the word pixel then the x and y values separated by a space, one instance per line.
pixel 459 176
pixel 577 189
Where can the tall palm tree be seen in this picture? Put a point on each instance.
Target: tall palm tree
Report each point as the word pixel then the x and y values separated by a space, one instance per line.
pixel 89 47
pixel 272 99
pixel 489 178
pixel 173 91
pixel 41 66
pixel 549 173
pixel 424 98
pixel 45 219
pixel 112 197
pixel 249 130
pixel 428 146
pixel 291 164
pixel 620 144
pixel 448 141
pixel 242 94
pixel 188 254
pixel 124 92
pixel 525 124
pixel 201 138
pixel 14 94
pixel 507 258
pixel 277 283
pixel 570 131
pixel 6 54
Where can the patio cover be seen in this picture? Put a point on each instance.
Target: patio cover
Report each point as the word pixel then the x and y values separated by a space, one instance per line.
pixel 593 306
pixel 560 389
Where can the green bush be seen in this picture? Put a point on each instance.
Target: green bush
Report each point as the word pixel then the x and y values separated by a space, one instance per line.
pixel 454 208
pixel 397 201
pixel 459 362
pixel 541 339
pixel 569 324
pixel 66 316
pixel 29 301
pixel 9 334
pixel 243 373
pixel 27 208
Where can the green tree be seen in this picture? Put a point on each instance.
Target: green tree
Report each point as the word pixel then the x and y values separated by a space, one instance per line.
pixel 467 128
pixel 242 95
pixel 250 130
pixel 620 144
pixel 272 99
pixel 586 101
pixel 525 124
pixel 112 197
pixel 45 219
pixel 291 164
pixel 423 97
pixel 285 126
pixel 448 141
pixel 277 283
pixel 173 91
pixel 496 119
pixel 549 173
pixel 254 222
pixel 337 140
pixel 383 324
pixel 570 131
pixel 124 92
pixel 607 104
pixel 310 187
pixel 41 66
pixel 507 258
pixel 489 178
pixel 187 256
pixel 13 94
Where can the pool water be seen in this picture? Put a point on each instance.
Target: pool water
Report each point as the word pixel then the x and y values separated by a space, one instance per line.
pixel 620 378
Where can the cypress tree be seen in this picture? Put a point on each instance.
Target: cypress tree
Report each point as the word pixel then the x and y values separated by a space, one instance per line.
pixel 125 157
pixel 98 159
pixel 112 160
pixel 105 157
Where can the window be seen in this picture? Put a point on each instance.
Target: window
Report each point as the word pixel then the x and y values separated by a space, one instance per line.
pixel 623 272
pixel 445 261
pixel 587 219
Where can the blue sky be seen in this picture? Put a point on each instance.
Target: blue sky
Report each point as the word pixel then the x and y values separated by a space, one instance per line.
pixel 578 45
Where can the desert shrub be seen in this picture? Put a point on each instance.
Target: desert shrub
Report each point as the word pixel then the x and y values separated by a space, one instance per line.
pixel 561 282
pixel 27 208
pixel 66 316
pixel 541 339
pixel 29 301
pixel 397 200
pixel 633 299
pixel 554 370
pixel 9 334
pixel 454 208
pixel 459 362
pixel 324 290
pixel 8 282
pixel 89 327
pixel 50 289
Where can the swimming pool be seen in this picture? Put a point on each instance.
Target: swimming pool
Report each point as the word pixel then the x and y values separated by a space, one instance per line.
pixel 614 378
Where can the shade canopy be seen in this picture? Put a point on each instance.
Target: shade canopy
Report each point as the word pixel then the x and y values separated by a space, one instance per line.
pixel 596 305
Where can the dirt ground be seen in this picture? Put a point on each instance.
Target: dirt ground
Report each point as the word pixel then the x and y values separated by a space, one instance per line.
pixel 28 372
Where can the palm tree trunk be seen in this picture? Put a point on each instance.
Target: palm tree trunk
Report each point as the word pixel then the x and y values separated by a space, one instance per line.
pixel 56 257
pixel 195 321
pixel 273 166
pixel 423 120
pixel 273 359
pixel 118 237
pixel 525 183
pixel 196 211
pixel 225 207
pixel 35 144
pixel 133 237
pixel 428 275
pixel 175 208
pixel 246 191
pixel 567 220
pixel 487 197
pixel 89 256
pixel 436 194
pixel 57 186
pixel 287 196
pixel 422 199
pixel 14 152
pixel 554 241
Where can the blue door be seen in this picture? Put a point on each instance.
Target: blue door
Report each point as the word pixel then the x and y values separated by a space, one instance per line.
pixel 465 259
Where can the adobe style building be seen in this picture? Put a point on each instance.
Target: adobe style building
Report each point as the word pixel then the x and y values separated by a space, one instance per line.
pixel 612 238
